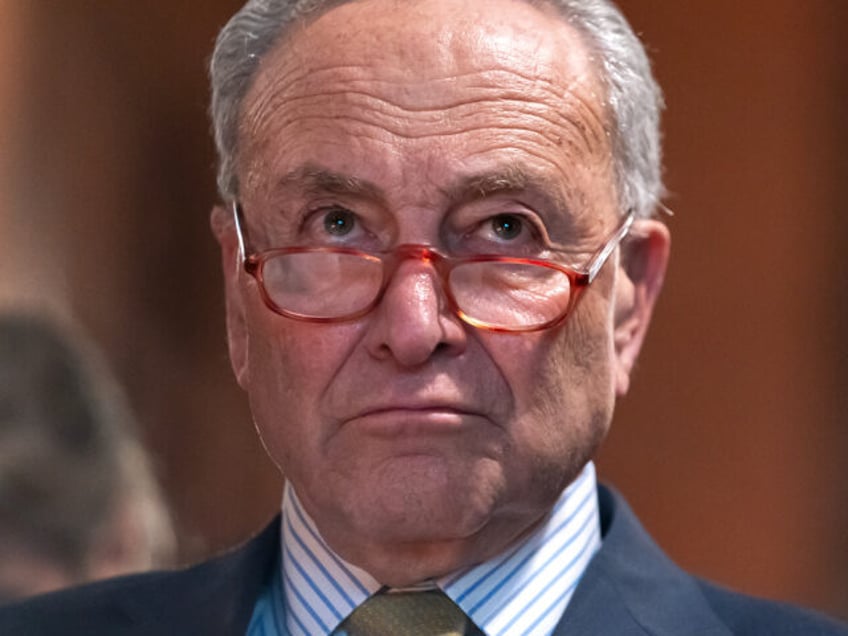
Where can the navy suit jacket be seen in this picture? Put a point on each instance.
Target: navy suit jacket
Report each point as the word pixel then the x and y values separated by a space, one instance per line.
pixel 629 588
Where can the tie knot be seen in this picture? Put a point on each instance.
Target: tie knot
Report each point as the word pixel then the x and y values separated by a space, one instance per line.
pixel 404 613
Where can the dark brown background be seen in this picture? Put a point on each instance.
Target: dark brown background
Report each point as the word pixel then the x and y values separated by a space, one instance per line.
pixel 732 444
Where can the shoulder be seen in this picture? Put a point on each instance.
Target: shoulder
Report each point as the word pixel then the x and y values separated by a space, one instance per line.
pixel 750 615
pixel 208 598
pixel 103 607
pixel 631 586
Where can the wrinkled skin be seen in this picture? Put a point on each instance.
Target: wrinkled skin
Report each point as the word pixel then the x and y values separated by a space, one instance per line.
pixel 418 443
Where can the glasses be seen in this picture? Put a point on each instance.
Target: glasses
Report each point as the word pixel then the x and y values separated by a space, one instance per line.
pixel 492 292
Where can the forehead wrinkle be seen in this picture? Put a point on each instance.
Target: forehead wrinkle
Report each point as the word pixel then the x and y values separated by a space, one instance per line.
pixel 498 86
pixel 566 130
pixel 509 82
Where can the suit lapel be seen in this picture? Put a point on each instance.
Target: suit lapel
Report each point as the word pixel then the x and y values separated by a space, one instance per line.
pixel 631 587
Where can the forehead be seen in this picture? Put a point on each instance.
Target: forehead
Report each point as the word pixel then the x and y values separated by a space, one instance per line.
pixel 439 37
pixel 427 70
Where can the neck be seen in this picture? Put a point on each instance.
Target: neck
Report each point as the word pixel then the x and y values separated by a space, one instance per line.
pixel 404 563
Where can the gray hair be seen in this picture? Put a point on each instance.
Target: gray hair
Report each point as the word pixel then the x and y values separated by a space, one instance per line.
pixel 634 99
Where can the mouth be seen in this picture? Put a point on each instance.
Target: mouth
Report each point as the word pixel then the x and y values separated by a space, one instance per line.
pixel 395 420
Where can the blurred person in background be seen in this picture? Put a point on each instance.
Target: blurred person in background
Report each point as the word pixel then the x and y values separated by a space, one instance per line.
pixel 78 498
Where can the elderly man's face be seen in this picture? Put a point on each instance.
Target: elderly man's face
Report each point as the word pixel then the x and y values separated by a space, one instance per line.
pixel 418 443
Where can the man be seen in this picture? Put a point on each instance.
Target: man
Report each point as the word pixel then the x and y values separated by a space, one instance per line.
pixel 440 264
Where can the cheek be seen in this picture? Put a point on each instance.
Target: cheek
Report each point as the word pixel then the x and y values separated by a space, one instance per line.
pixel 291 364
pixel 577 378
pixel 562 369
pixel 564 395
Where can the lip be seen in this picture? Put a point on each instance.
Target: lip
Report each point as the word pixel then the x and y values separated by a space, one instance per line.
pixel 394 420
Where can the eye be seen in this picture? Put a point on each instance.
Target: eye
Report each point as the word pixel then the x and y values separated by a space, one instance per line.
pixel 339 222
pixel 486 231
pixel 507 226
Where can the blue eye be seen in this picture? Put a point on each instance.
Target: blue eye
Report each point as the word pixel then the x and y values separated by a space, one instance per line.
pixel 507 226
pixel 339 222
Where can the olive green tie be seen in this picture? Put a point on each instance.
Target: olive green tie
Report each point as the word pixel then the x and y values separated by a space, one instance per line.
pixel 419 613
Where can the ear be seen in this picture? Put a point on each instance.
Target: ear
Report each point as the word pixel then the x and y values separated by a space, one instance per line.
pixel 642 266
pixel 237 334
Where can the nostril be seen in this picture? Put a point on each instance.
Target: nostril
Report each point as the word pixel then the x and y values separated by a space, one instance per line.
pixel 442 347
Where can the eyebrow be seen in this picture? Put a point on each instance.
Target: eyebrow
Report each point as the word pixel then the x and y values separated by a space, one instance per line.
pixel 481 185
pixel 512 178
pixel 316 179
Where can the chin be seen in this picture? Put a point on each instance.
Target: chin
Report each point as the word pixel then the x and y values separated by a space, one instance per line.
pixel 414 516
pixel 422 520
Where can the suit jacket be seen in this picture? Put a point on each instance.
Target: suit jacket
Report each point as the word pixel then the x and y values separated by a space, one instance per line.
pixel 629 588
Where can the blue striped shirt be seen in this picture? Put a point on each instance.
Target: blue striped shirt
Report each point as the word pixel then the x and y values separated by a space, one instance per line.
pixel 525 590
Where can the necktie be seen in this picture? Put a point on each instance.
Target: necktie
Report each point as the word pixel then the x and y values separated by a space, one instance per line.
pixel 420 613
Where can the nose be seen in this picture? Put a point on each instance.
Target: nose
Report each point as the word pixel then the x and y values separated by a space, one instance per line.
pixel 413 321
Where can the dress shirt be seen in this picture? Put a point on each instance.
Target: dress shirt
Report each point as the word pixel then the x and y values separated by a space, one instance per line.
pixel 524 590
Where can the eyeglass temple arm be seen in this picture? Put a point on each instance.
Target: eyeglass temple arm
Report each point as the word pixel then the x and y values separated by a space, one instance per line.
pixel 602 256
pixel 237 222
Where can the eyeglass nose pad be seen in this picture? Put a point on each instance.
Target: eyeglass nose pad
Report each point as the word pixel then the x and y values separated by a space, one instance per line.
pixel 428 255
pixel 415 251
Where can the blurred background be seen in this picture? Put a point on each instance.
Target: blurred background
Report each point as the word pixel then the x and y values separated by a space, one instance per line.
pixel 732 445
